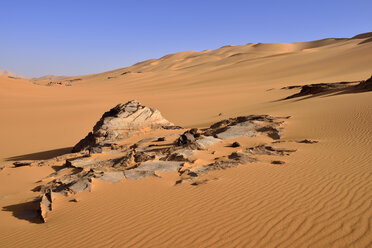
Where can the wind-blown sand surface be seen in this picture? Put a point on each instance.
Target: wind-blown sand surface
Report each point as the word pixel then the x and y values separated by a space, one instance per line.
pixel 321 196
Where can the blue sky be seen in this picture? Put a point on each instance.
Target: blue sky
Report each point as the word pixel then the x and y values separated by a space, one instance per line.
pixel 78 37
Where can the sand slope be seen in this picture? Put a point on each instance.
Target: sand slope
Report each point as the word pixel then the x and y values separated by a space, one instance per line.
pixel 5 73
pixel 320 198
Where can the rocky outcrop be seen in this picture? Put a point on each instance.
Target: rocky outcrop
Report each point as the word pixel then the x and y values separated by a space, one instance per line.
pixel 121 122
pixel 365 85
pixel 103 154
pixel 327 88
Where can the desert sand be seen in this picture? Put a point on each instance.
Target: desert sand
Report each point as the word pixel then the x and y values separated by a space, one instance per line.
pixel 320 197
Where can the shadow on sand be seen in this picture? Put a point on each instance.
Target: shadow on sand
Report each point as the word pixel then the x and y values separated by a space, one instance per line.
pixel 328 89
pixel 41 155
pixel 29 211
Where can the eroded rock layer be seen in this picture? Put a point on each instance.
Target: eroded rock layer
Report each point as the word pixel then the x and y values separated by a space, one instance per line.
pixel 107 154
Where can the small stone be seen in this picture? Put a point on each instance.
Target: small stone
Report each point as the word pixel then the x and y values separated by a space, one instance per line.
pixel 192 174
pixel 235 144
pixel 277 162
pixel 274 135
pixel 161 139
pixel 186 138
pixel 306 141
pixel 20 164
pixel 95 149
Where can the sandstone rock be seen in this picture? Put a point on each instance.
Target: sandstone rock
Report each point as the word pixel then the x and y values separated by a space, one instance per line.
pixel 121 122
pixel 20 164
pixel 160 166
pixel 365 85
pixel 112 176
pixel 241 157
pixel 268 150
pixel 176 157
pixel 81 185
pixel 95 150
pixel 151 167
pixel 143 157
pixel 238 130
pixel 186 153
pixel 45 205
pixel 138 174
pixel 207 141
pixel 186 138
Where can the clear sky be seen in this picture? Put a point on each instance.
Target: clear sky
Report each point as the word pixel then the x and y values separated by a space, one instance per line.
pixel 74 37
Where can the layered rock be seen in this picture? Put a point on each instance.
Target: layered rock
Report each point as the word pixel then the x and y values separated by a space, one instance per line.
pixel 166 150
pixel 121 122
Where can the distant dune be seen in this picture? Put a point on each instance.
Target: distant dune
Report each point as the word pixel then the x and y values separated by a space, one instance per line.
pixel 319 195
pixel 50 77
pixel 4 73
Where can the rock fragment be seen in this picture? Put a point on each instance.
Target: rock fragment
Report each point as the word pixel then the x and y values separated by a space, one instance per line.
pixel 277 162
pixel 307 141
pixel 20 164
pixel 235 144
pixel 45 205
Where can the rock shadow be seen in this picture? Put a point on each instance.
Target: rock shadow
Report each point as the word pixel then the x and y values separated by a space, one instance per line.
pixel 41 155
pixel 328 89
pixel 29 211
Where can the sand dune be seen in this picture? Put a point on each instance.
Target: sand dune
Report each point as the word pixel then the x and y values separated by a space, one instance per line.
pixel 5 73
pixel 321 196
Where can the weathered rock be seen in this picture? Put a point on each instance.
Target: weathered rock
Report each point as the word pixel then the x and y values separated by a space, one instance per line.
pixel 160 166
pixel 95 150
pixel 81 185
pixel 143 157
pixel 186 138
pixel 277 162
pixel 146 157
pixel 125 161
pixel 365 85
pixel 20 164
pixel 238 130
pixel 45 205
pixel 268 150
pixel 307 141
pixel 121 122
pixel 325 88
pixel 112 176
pixel 138 174
pixel 176 157
pixel 274 135
pixel 207 141
pixel 151 167
pixel 241 157
pixel 186 153
pixel 88 163
pixel 235 144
